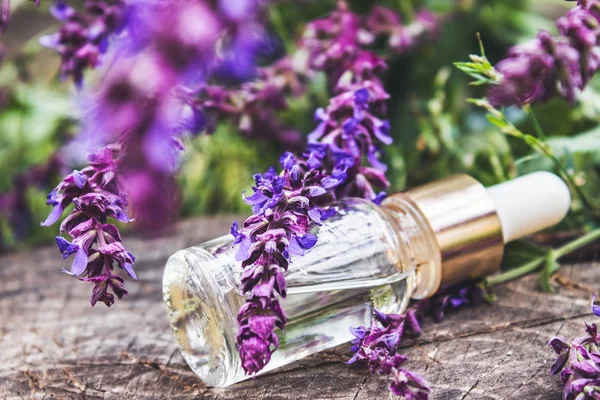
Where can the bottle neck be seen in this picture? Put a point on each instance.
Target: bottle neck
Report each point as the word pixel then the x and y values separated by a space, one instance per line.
pixel 461 221
pixel 419 238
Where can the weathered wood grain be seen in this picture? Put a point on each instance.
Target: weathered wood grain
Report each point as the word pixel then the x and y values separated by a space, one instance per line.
pixel 54 346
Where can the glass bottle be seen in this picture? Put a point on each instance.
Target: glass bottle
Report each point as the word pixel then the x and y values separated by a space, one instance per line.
pixel 366 257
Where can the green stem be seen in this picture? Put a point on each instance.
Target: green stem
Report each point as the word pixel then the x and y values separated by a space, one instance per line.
pixel 535 121
pixel 534 264
pixel 578 243
pixel 282 31
pixel 515 273
pixel 545 150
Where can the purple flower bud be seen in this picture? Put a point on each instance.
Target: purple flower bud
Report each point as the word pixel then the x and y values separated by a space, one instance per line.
pixel 595 308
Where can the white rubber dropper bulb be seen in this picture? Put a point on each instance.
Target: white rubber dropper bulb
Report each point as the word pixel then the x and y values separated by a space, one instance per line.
pixel 530 203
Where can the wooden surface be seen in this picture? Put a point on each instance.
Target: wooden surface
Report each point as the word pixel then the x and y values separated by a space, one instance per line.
pixel 52 345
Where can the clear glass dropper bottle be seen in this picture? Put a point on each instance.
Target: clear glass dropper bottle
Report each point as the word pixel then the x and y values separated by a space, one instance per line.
pixel 366 257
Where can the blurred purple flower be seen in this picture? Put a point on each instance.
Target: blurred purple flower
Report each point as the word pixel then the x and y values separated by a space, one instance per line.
pixel 83 37
pixel 551 65
pixel 144 103
pixel 385 22
pixel 14 206
pixel 254 105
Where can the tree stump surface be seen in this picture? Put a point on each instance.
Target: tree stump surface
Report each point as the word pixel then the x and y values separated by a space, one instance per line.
pixel 53 345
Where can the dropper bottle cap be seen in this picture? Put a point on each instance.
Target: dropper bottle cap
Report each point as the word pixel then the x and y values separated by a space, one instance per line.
pixel 471 223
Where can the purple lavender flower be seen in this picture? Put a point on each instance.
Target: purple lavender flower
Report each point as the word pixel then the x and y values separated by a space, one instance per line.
pixel 377 347
pixel 578 363
pixel 548 65
pixel 97 194
pixel 144 102
pixel 84 35
pixel 285 204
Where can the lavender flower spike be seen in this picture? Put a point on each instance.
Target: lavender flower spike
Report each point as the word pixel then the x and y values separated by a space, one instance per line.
pixel 97 194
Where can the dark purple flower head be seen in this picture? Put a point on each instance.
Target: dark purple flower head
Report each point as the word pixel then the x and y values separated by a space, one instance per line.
pixel 550 65
pixel 451 298
pixel 101 285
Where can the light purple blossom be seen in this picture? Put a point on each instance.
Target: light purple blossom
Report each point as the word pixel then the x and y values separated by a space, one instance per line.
pixel 550 65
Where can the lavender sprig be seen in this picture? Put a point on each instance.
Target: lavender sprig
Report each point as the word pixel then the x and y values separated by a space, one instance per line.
pixel 349 131
pixel 97 193
pixel 578 362
pixel 284 205
pixel 552 65
pixel 377 347
pixel 83 37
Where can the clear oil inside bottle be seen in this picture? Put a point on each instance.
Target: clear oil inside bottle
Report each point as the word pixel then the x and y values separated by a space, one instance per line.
pixel 364 259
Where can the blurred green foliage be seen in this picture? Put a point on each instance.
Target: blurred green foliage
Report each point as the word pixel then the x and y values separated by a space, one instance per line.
pixel 436 131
